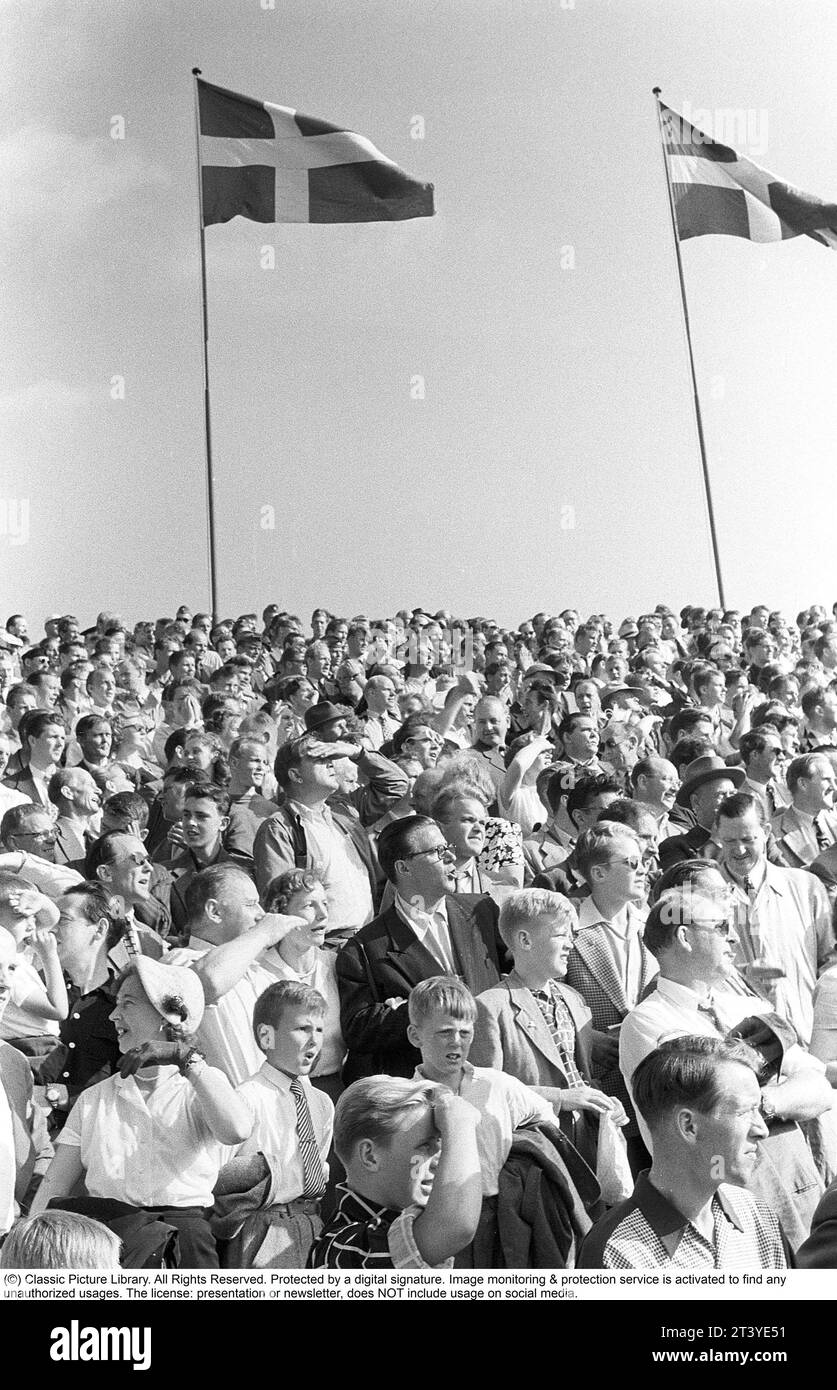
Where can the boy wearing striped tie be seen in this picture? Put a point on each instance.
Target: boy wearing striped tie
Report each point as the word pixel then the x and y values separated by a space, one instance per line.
pixel 293 1127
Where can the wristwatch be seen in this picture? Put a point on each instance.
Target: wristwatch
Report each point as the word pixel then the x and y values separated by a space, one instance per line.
pixel 767 1109
pixel 193 1064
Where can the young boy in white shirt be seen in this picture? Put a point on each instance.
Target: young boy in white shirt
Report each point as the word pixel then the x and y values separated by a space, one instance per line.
pixel 442 1017
pixel 293 1129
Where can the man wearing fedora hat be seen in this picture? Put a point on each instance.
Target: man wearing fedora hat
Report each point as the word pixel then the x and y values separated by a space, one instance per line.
pixel 706 783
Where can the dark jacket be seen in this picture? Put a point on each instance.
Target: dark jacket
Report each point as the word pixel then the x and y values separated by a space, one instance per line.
pixel 182 870
pixel 280 845
pixel 819 1251
pixel 385 959
pixel 546 1202
pixel 691 845
pixel 148 1242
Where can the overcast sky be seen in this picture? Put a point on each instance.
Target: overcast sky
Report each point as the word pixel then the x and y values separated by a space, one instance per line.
pixel 553 459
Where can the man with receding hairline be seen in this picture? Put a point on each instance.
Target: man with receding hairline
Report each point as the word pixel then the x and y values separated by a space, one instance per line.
pixel 782 916
pixel 229 937
pixel 700 1099
pixel 491 723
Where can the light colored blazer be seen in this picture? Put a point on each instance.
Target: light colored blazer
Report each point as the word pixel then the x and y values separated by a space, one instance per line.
pixel 797 838
pixel 512 1035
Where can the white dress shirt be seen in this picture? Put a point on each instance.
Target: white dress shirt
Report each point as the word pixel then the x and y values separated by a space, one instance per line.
pixel 432 929
pixel 323 978
pixel 268 1097
pixel 10 798
pixel 337 864
pixel 225 1036
pixel 8 1164
pixel 504 1104
pixel 674 1011
pixel 18 1020
pixel 149 1148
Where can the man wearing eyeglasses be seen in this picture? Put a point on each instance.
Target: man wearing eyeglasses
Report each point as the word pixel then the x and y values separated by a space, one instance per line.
pixel 31 831
pixel 426 932
pixel 699 992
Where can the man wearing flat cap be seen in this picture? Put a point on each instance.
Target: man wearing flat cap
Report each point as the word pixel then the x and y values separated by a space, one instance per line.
pixel 378 783
pixel 308 832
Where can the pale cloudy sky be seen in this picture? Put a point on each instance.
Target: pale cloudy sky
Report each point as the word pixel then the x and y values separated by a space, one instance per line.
pixel 553 459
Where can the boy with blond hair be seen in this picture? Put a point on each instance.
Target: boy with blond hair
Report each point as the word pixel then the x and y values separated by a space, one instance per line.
pixel 293 1128
pixel 443 1012
pixel 413 1190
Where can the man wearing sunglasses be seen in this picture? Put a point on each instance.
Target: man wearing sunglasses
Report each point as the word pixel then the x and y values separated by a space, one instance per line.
pixel 609 965
pixel 426 932
pixel 698 991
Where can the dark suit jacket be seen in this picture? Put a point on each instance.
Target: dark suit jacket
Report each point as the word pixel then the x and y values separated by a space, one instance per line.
pixel 22 782
pixel 385 959
pixel 819 1251
pixel 182 870
pixel 676 848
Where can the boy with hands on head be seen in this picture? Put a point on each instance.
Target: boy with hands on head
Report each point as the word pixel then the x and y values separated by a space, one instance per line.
pixel 413 1190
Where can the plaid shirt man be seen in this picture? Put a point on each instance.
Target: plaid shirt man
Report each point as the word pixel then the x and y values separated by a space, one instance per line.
pixel 647 1232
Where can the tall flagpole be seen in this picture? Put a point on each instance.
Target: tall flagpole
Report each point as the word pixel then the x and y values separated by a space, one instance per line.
pixel 210 490
pixel 704 464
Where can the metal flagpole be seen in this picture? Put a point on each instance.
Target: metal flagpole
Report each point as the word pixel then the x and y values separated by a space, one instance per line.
pixel 705 466
pixel 210 491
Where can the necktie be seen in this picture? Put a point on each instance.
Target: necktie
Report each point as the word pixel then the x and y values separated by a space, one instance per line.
pixel 747 935
pixel 437 935
pixel 823 839
pixel 708 1008
pixel 551 1011
pixel 313 1179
